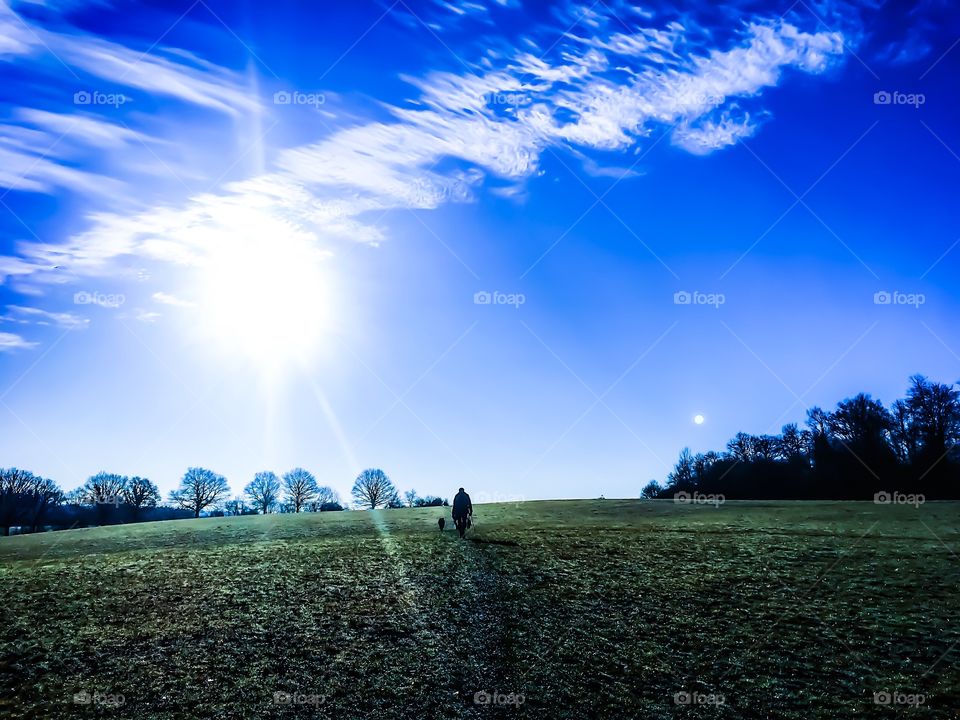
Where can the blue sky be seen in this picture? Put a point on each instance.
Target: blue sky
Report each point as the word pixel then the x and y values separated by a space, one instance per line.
pixel 455 239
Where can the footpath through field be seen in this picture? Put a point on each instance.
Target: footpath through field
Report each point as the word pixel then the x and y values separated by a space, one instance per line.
pixel 455 611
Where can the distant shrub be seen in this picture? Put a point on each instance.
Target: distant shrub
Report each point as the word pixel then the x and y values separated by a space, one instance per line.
pixel 651 490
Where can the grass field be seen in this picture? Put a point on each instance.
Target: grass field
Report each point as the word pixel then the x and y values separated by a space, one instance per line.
pixel 586 609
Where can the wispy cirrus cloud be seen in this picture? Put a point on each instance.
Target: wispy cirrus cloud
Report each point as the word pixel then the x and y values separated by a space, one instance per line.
pixel 441 16
pixel 11 341
pixel 82 128
pixel 168 299
pixel 28 316
pixel 22 315
pixel 146 316
pixel 180 76
pixel 207 85
pixel 713 134
pixel 593 90
pixel 39 149
pixel 89 84
pixel 25 169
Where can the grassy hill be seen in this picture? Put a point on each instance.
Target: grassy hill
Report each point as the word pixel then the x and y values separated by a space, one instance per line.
pixel 603 609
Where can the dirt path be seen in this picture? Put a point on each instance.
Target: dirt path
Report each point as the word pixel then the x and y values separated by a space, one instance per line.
pixel 454 599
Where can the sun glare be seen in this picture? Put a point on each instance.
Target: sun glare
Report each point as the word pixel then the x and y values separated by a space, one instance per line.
pixel 264 291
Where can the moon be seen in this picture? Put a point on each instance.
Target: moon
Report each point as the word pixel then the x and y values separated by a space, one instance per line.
pixel 698 419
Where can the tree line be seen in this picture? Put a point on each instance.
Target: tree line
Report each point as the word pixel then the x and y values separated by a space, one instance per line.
pixel 859 449
pixel 30 502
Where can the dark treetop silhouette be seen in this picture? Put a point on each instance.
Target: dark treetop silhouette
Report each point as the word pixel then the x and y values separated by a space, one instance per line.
pixel 858 450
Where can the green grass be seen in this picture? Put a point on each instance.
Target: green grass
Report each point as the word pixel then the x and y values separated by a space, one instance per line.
pixel 600 609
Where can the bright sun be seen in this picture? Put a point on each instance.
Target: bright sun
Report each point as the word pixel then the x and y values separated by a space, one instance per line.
pixel 698 419
pixel 263 290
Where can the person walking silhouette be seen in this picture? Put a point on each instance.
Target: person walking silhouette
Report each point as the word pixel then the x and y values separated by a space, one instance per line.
pixel 462 510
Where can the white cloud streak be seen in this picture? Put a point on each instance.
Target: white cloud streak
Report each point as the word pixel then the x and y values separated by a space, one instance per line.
pixel 168 299
pixel 11 341
pixel 35 316
pixel 494 121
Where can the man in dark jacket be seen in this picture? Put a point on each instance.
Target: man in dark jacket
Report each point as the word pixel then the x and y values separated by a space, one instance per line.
pixel 462 510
